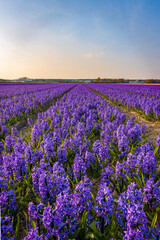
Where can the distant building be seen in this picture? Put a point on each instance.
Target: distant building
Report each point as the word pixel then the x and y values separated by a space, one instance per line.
pixel 136 81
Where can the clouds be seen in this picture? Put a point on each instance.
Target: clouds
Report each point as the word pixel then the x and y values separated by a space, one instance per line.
pixel 92 55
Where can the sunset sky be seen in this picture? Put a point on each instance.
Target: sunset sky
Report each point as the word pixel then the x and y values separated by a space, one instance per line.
pixel 79 39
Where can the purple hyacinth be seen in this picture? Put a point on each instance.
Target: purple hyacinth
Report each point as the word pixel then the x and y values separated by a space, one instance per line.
pixel 79 167
pixel 136 223
pixel 121 170
pixel 35 179
pixel 32 211
pixel 33 234
pixel 43 189
pixel 9 142
pixel 96 146
pixel 7 231
pixel 152 193
pixel 1 150
pixel 80 129
pixel 103 154
pixel 20 166
pixel 158 140
pixel 30 121
pixel 62 154
pixel 90 159
pixel 35 213
pixel 4 129
pixel 48 219
pixel 8 200
pixel 147 161
pixel 60 179
pixel 134 133
pixel 36 133
pixel 104 203
pixel 82 196
pixel 48 145
pixel 123 143
pixel 14 132
pixel 65 220
pixel 131 215
pixel 106 175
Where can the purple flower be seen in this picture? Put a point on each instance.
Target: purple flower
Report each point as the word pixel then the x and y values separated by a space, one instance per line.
pixel 1 147
pixel 20 166
pixel 35 179
pixel 152 193
pixel 48 145
pixel 131 215
pixel 147 161
pixel 136 223
pixel 14 132
pixel 79 167
pixel 121 170
pixel 30 121
pixel 62 154
pixel 65 220
pixel 4 129
pixel 103 153
pixel 9 142
pixel 32 211
pixel 90 159
pixel 135 133
pixel 82 196
pixel 48 219
pixel 7 232
pixel 106 175
pixel 80 129
pixel 158 141
pixel 123 143
pixel 35 134
pixel 96 146
pixel 8 200
pixel 33 234
pixel 104 203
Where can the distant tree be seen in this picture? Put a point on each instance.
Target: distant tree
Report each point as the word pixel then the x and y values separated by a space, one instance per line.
pixel 149 80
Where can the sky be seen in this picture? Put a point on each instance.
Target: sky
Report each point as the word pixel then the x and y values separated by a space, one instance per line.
pixel 80 39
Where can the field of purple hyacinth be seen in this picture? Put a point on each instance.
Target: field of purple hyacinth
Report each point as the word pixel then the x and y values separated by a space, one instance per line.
pixel 27 99
pixel 145 99
pixel 83 172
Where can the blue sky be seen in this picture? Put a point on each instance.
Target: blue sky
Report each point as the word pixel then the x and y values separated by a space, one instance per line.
pixel 80 39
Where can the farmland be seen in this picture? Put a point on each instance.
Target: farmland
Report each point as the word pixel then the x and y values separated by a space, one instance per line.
pixel 83 169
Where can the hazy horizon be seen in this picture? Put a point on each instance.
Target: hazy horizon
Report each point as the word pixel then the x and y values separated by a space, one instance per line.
pixel 79 39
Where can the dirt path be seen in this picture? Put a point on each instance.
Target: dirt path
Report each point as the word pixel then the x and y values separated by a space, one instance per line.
pixel 152 127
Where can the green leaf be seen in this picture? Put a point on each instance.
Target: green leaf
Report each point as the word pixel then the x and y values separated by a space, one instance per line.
pixel 156 150
pixel 26 215
pixel 93 198
pixel 23 203
pixel 39 142
pixel 138 181
pixel 143 178
pixel 33 224
pixel 149 216
pixel 72 183
pixel 97 235
pixel 76 178
pixel 17 227
pixel 154 221
pixel 129 179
